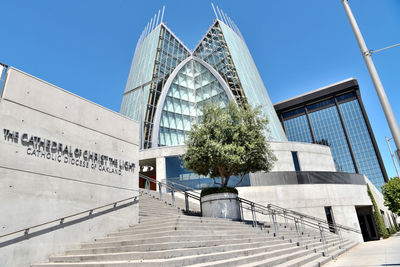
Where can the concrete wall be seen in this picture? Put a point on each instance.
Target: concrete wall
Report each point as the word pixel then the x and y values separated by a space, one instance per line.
pixel 311 157
pixel 312 198
pixel 35 189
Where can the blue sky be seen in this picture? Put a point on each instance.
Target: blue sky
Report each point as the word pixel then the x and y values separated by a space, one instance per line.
pixel 86 47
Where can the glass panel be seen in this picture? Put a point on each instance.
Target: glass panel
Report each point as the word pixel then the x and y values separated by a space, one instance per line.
pixel 361 143
pixel 298 130
pixel 185 108
pixel 250 80
pixel 328 129
pixel 321 104
pixel 178 174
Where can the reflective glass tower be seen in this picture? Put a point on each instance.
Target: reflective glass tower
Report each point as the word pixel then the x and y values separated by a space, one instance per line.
pixel 335 116
pixel 168 83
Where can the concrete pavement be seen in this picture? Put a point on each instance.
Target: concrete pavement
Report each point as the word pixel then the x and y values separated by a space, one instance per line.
pixel 374 253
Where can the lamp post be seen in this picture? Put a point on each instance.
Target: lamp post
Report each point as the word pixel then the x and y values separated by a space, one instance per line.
pixel 387 109
pixel 391 154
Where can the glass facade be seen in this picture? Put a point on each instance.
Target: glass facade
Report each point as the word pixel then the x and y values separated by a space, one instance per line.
pixel 178 174
pixel 227 53
pixel 360 141
pixel 193 86
pixel 158 56
pixel 297 129
pixel 337 121
pixel 168 84
pixel 328 130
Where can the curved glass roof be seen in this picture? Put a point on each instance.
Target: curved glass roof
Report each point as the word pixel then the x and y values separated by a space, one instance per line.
pixel 193 86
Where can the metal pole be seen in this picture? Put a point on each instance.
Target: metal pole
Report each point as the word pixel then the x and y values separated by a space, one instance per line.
pixel 186 202
pixel 387 109
pixel 298 231
pixel 323 240
pixel 286 220
pixel 241 211
pixel 160 189
pixel 253 214
pixel 173 197
pixel 391 154
pixel 275 224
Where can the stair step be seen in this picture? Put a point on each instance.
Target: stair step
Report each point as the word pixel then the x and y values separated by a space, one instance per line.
pixel 270 259
pixel 332 254
pixel 173 253
pixel 165 236
pixel 179 228
pixel 171 245
pixel 176 238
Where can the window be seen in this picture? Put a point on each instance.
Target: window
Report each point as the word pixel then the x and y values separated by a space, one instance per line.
pixel 296 161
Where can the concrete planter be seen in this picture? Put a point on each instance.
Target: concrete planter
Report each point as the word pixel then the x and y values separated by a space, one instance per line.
pixel 221 205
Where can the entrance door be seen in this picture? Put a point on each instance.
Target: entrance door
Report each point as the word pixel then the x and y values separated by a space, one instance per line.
pixel 366 222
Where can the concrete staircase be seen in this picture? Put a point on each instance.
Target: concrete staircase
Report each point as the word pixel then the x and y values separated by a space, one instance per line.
pixel 167 237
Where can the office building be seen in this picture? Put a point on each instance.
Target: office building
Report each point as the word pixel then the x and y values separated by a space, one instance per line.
pixel 335 116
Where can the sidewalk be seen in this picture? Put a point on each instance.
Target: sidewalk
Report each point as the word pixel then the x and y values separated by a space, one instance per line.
pixel 374 253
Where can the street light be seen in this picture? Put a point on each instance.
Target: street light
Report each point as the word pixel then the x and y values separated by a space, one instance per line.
pixel 391 154
pixel 387 109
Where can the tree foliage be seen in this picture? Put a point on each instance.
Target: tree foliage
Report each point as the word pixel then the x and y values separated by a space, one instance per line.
pixel 391 193
pixel 379 223
pixel 229 141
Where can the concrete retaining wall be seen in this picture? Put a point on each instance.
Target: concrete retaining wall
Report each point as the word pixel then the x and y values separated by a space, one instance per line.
pixel 39 184
pixel 312 198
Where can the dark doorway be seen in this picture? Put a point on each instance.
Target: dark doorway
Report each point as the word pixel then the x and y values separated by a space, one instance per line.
pixel 366 222
pixel 330 219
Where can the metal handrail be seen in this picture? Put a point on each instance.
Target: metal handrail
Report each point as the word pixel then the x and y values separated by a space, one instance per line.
pixel 300 220
pixel 61 220
pixel 194 195
pixel 184 186
pixel 314 218
pixel 265 210
pixel 288 215
pixel 280 210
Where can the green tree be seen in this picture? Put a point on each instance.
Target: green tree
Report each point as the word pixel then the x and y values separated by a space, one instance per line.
pixel 229 141
pixel 391 194
pixel 380 224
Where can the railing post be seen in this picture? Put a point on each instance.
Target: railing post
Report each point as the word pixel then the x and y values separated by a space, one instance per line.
pixel 302 224
pixel 323 240
pixel 148 186
pixel 276 229
pixel 160 189
pixel 339 232
pixel 201 208
pixel 253 213
pixel 286 219
pixel 187 202
pixel 241 210
pixel 298 231
pixel 173 197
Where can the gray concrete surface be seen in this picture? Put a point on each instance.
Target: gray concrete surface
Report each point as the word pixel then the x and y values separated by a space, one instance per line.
pixel 374 253
pixel 312 157
pixel 312 198
pixel 39 185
